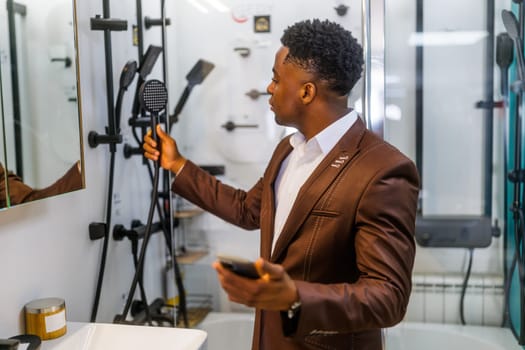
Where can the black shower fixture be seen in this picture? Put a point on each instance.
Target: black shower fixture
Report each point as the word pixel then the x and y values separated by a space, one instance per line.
pixel 67 61
pixel 197 74
pixel 112 136
pixel 151 22
pixel 150 57
pixel 153 97
pixel 504 58
pixel 127 74
pixel 511 25
pixel 126 78
pixel 341 10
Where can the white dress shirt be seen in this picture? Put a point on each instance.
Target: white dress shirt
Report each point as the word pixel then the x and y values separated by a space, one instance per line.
pixel 300 164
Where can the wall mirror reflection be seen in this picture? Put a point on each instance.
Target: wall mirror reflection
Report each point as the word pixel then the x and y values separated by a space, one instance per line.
pixel 41 139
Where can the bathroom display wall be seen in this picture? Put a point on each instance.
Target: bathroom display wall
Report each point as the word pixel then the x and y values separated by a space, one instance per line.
pixel 40 114
pixel 241 39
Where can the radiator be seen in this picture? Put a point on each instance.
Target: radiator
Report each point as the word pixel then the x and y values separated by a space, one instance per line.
pixel 436 298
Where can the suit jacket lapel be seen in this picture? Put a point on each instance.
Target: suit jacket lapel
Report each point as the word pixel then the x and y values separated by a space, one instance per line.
pixel 318 182
pixel 268 219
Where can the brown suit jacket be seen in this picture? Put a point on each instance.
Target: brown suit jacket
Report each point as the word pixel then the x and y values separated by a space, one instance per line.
pixel 348 242
pixel 19 192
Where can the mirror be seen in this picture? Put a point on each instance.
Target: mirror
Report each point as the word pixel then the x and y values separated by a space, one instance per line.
pixel 40 125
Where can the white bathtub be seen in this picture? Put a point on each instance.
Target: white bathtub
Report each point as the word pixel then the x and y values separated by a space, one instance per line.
pixel 431 336
pixel 233 331
pixel 228 330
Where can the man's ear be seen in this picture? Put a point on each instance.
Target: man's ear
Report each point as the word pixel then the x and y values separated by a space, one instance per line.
pixel 308 92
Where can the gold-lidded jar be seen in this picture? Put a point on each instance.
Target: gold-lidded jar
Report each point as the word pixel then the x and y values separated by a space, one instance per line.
pixel 46 318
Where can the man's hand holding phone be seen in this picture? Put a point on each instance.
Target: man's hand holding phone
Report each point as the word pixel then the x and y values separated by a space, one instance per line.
pixel 259 284
pixel 240 266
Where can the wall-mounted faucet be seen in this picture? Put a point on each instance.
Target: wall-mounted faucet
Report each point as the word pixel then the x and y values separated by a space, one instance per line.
pixel 254 94
pixel 243 51
pixel 67 61
pixel 230 126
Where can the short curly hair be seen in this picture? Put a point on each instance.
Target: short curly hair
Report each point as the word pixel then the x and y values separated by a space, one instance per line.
pixel 327 50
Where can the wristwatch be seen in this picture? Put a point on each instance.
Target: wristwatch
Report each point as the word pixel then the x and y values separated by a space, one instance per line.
pixel 294 309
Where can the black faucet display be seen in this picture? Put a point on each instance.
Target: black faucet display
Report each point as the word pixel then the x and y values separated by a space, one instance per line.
pixel 112 136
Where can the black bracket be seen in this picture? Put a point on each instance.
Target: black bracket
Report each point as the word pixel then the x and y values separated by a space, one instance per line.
pixel 95 139
pixel 130 151
pixel 489 104
pixel 97 230
pixel 99 23
pixel 151 22
pixel 67 61
pixel 136 232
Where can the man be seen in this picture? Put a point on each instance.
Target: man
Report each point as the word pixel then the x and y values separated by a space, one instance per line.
pixel 336 206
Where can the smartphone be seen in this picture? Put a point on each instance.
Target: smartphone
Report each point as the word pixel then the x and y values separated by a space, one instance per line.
pixel 240 266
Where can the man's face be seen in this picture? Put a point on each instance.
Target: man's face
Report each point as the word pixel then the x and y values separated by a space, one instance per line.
pixel 286 89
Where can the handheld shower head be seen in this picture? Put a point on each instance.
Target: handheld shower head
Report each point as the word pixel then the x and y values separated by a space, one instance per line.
pixel 126 78
pixel 199 72
pixel 127 75
pixel 145 67
pixel 504 57
pixel 148 61
pixel 512 27
pixel 153 96
pixel 504 50
pixel 511 24
pixel 196 75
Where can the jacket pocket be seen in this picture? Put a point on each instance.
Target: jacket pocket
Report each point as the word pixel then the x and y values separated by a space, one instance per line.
pixel 325 213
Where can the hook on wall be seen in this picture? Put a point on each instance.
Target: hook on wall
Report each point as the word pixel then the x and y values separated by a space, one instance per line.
pixel 150 22
pixel 243 51
pixel 67 61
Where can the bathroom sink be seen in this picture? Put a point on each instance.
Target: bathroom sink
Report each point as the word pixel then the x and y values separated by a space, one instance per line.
pixel 103 336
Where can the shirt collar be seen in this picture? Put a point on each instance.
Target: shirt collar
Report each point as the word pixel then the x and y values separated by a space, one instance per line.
pixel 329 136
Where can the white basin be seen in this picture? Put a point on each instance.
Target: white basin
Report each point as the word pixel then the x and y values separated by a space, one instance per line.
pixel 103 336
